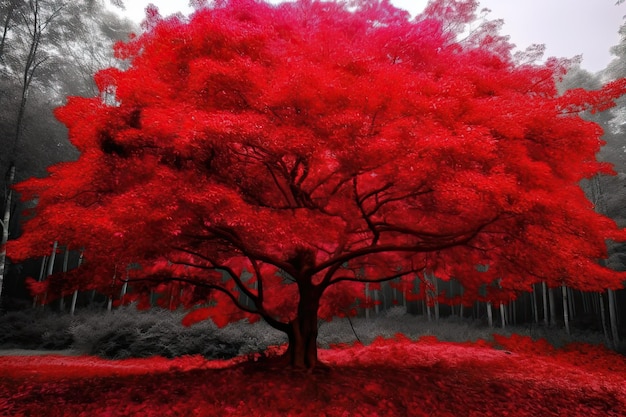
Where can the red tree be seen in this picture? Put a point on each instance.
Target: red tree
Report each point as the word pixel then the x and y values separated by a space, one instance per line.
pixel 293 152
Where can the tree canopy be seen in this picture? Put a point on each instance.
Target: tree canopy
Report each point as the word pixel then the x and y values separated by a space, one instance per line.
pixel 291 152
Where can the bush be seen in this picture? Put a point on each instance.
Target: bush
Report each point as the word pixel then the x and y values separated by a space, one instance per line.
pixel 35 329
pixel 126 332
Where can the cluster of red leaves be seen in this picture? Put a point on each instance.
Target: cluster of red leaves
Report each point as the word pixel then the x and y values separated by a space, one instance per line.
pixel 387 378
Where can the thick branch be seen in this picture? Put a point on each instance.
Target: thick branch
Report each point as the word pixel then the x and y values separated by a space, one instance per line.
pixel 375 280
pixel 461 239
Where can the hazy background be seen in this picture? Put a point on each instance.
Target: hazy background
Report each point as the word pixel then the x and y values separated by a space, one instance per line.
pixel 566 27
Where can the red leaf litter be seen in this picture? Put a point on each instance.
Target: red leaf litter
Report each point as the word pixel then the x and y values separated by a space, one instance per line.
pixel 512 377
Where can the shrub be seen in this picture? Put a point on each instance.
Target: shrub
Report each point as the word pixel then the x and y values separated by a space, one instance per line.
pixel 35 329
pixel 126 332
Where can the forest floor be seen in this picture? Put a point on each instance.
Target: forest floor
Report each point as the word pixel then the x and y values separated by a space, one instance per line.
pixel 512 376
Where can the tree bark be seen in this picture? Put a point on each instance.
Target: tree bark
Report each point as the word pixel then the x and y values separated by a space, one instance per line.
pixel 75 295
pixel 544 291
pixel 302 334
pixel 613 319
pixel 367 296
pixel 552 307
pixel 66 257
pixel 565 308
pixel 50 270
pixel 6 219
pixel 603 319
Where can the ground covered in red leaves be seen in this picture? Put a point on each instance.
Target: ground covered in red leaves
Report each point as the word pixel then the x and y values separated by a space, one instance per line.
pixel 513 377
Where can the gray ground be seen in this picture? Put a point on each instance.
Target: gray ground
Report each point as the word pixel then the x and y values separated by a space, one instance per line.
pixel 28 352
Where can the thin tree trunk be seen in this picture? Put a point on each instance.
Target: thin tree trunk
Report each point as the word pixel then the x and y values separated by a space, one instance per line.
pixel 125 288
pixel 6 220
pixel 603 318
pixel 436 296
pixel 50 269
pixel 42 268
pixel 489 314
pixel 513 314
pixel 552 307
pixel 367 297
pixel 586 308
pixel 571 304
pixel 613 319
pixel 565 308
pixel 66 257
pixel 502 315
pixel 404 303
pixel 75 295
pixel 376 302
pixel 535 305
pixel 110 302
pixel 544 291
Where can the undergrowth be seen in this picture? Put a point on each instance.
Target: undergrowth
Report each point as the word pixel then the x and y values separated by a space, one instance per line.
pixel 127 332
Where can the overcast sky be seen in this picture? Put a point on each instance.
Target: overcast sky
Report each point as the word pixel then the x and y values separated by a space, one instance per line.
pixel 566 27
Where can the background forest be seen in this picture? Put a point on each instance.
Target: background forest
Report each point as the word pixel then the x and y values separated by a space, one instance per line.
pixel 50 49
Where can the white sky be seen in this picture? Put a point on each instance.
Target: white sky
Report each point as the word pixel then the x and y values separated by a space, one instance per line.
pixel 566 27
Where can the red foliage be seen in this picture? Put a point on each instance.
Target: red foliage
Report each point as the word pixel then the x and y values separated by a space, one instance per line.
pixel 197 315
pixel 36 287
pixel 388 378
pixel 314 146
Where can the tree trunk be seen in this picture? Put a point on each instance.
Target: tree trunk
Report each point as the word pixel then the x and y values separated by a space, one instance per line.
pixel 603 319
pixel 436 296
pixel 6 219
pixel 50 269
pixel 66 257
pixel 367 297
pixel 302 351
pixel 613 319
pixel 404 303
pixel 513 314
pixel 565 308
pixel 571 304
pixel 376 303
pixel 552 307
pixel 586 308
pixel 75 295
pixel 544 290
pixel 535 306
pixel 44 261
pixel 489 314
